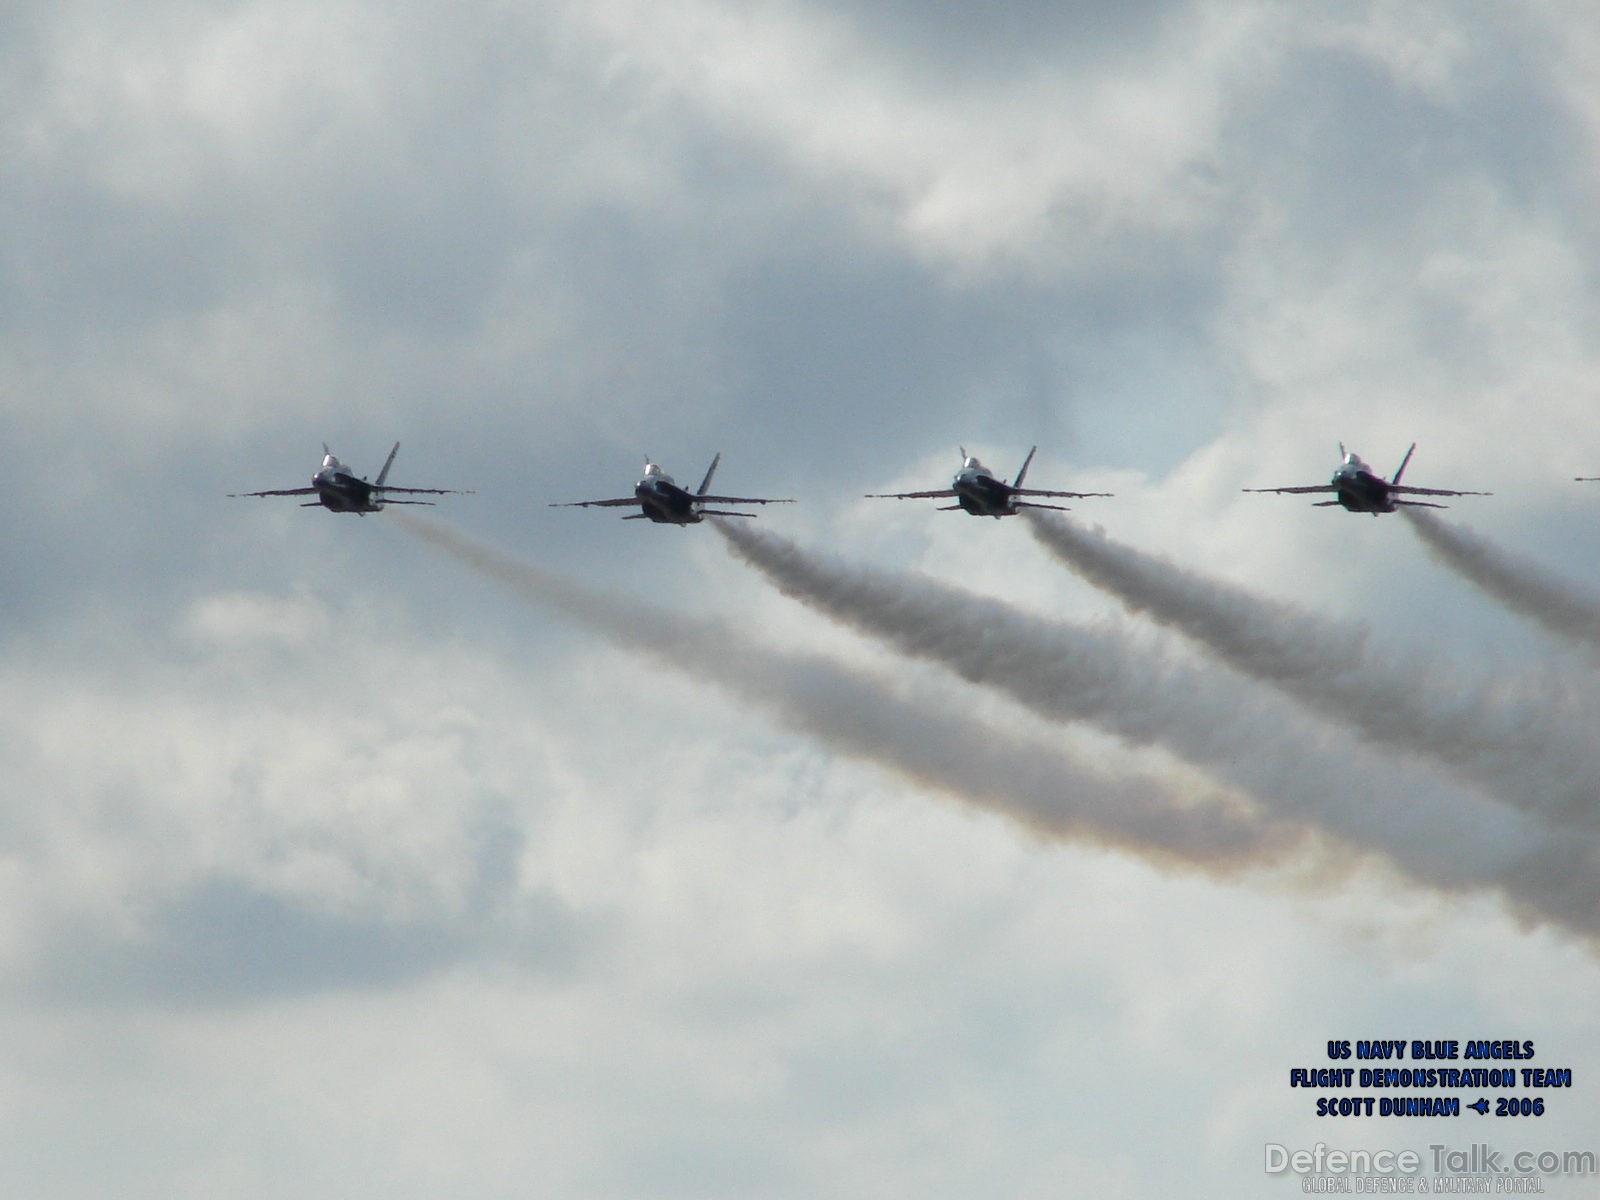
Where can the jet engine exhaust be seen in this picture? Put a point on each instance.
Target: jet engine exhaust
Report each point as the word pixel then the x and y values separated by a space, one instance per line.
pixel 930 743
pixel 1515 582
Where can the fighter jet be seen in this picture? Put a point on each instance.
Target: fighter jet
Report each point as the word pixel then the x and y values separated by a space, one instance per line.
pixel 661 500
pixel 1356 488
pixel 976 489
pixel 338 489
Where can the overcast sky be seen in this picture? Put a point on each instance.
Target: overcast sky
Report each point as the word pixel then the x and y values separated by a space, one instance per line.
pixel 330 867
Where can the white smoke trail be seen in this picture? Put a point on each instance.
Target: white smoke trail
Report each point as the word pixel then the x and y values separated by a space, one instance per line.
pixel 933 745
pixel 1526 740
pixel 1515 581
pixel 1441 836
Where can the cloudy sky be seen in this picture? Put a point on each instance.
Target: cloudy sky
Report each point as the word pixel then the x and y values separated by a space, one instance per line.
pixel 331 864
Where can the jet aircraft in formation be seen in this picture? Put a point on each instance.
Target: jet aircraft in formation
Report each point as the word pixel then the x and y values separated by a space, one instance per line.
pixel 660 499
pixel 339 489
pixel 976 489
pixel 1357 488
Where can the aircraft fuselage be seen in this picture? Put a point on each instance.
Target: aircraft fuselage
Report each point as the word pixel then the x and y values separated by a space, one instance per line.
pixel 982 495
pixel 340 491
pixel 1360 491
pixel 665 503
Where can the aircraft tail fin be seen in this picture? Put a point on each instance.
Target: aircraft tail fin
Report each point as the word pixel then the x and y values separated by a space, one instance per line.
pixel 710 471
pixel 387 463
pixel 1025 464
pixel 1403 463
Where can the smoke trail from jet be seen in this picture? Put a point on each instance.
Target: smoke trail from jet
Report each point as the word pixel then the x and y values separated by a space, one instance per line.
pixel 1298 770
pixel 1514 581
pixel 1527 741
pixel 931 744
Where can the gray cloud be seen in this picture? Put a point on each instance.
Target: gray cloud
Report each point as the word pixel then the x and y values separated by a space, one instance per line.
pixel 946 37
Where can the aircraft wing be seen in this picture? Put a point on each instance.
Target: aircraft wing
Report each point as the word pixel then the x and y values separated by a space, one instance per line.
pixel 1296 491
pixel 275 492
pixel 738 500
pixel 941 494
pixel 1061 495
pixel 388 487
pixel 617 503
pixel 1419 491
